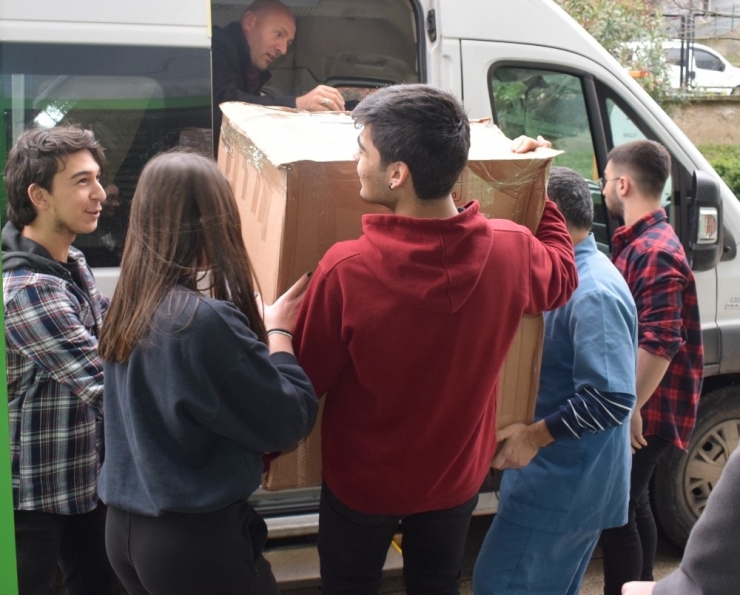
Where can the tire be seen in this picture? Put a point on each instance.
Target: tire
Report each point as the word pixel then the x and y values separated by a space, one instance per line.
pixel 683 481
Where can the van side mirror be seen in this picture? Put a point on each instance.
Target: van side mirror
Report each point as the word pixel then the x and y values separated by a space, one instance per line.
pixel 706 222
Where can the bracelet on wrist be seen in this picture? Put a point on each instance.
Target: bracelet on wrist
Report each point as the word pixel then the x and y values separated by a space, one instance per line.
pixel 280 331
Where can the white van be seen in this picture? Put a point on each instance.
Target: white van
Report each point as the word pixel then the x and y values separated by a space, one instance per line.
pixel 138 74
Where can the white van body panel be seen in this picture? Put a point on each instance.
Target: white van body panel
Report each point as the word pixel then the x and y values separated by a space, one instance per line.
pixel 185 23
pixel 106 278
pixel 450 72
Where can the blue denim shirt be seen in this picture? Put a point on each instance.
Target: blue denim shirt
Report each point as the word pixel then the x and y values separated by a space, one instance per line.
pixel 581 485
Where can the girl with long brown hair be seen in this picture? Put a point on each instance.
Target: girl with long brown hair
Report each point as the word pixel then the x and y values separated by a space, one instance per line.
pixel 197 387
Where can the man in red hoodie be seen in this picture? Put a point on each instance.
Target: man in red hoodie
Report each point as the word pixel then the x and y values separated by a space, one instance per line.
pixel 405 330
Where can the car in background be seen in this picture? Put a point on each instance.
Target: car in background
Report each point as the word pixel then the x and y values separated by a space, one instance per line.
pixel 704 69
pixel 708 70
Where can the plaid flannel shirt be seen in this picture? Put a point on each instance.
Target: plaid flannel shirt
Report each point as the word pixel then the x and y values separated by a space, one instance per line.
pixel 55 388
pixel 650 257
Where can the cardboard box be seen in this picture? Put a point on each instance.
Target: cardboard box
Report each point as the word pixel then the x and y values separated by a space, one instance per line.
pixel 297 189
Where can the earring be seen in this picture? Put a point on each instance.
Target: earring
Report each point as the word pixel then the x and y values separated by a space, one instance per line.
pixel 390 186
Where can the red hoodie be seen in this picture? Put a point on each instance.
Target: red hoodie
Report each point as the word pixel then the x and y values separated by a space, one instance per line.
pixel 405 330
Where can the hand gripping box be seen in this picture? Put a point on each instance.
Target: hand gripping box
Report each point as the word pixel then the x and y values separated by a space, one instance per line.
pixel 297 189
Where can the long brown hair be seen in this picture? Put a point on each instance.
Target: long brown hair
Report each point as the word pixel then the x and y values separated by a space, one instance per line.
pixel 184 221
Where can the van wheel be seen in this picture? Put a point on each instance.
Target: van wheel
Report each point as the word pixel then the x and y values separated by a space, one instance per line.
pixel 683 481
pixel 735 91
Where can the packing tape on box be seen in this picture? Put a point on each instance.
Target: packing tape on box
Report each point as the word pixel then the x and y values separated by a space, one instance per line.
pixel 519 174
pixel 258 179
pixel 233 140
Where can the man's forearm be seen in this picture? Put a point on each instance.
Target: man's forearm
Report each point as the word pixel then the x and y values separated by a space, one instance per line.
pixel 651 369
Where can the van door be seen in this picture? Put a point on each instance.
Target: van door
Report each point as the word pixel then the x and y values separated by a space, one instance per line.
pixel 584 110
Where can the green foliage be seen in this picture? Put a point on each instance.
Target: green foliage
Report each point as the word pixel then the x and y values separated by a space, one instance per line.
pixel 580 161
pixel 536 102
pixel 725 159
pixel 632 32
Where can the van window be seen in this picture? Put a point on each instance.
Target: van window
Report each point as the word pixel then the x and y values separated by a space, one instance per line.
pixel 532 101
pixel 622 127
pixel 138 101
pixel 535 101
pixel 624 130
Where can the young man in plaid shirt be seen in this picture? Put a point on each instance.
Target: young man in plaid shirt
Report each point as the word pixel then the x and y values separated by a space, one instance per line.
pixel 670 358
pixel 53 312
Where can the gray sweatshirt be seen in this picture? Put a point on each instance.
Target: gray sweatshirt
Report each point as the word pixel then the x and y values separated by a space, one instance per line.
pixel 189 415
pixel 711 562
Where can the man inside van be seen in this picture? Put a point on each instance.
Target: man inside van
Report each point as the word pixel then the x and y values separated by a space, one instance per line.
pixel 405 330
pixel 53 312
pixel 670 357
pixel 554 501
pixel 243 51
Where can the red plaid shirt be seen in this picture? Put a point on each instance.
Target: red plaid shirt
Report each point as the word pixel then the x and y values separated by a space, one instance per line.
pixel 650 257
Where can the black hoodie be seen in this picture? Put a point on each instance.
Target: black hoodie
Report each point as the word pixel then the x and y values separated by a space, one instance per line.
pixel 20 252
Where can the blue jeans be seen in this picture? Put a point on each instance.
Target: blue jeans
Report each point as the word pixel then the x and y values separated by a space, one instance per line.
pixel 353 546
pixel 517 560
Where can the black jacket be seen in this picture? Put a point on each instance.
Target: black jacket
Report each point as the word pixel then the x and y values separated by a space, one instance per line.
pixel 21 253
pixel 231 62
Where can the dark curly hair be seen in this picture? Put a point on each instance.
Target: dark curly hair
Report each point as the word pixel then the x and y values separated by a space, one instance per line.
pixel 37 156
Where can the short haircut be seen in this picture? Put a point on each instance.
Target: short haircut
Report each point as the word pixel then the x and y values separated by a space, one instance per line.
pixel 422 126
pixel 648 162
pixel 37 156
pixel 267 6
pixel 569 191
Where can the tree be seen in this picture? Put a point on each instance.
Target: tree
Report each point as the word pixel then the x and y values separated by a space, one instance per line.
pixel 632 32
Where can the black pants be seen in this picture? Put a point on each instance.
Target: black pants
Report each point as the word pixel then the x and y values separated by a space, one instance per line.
pixel 353 547
pixel 191 554
pixel 629 551
pixel 74 542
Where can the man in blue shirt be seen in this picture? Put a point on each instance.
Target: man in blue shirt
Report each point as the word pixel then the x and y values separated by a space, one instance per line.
pixel 555 501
